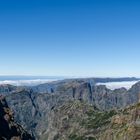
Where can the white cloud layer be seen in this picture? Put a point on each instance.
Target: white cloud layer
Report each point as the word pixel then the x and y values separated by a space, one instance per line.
pixel 116 85
pixel 110 85
pixel 27 82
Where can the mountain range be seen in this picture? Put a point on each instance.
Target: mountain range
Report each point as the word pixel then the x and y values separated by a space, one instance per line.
pixel 75 109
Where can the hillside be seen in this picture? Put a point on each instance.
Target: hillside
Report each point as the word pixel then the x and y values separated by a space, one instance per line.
pixel 79 121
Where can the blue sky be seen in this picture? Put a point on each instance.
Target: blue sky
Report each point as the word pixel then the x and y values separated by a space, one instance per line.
pixel 70 37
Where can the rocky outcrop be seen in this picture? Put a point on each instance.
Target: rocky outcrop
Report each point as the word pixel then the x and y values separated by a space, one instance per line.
pixel 9 129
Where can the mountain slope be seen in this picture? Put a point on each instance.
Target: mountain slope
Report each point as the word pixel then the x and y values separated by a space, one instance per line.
pixel 79 121
pixel 125 125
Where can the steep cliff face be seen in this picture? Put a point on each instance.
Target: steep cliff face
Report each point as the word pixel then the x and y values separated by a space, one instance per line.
pixel 9 129
pixel 32 109
pixel 100 96
pixel 52 86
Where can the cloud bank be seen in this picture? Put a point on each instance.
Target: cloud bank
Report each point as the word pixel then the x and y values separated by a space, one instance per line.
pixel 27 82
pixel 116 85
pixel 34 82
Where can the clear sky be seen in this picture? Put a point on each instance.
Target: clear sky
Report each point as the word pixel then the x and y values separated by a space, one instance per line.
pixel 70 37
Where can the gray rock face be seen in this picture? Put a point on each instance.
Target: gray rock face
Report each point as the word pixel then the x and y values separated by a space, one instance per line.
pixel 33 105
pixel 32 109
pixel 6 89
pixel 51 87
pixel 9 129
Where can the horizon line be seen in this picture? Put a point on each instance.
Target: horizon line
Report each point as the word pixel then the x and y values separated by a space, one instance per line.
pixel 70 76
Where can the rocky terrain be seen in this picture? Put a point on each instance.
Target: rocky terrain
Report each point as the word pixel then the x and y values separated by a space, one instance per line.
pixel 79 121
pixel 9 129
pixel 6 89
pixel 34 107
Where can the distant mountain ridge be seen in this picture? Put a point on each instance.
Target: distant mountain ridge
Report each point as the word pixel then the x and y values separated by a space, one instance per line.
pixel 7 88
pixel 36 80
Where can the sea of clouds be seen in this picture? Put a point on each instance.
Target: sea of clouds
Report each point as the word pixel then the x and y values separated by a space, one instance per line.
pixel 33 81
pixel 116 85
pixel 27 82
